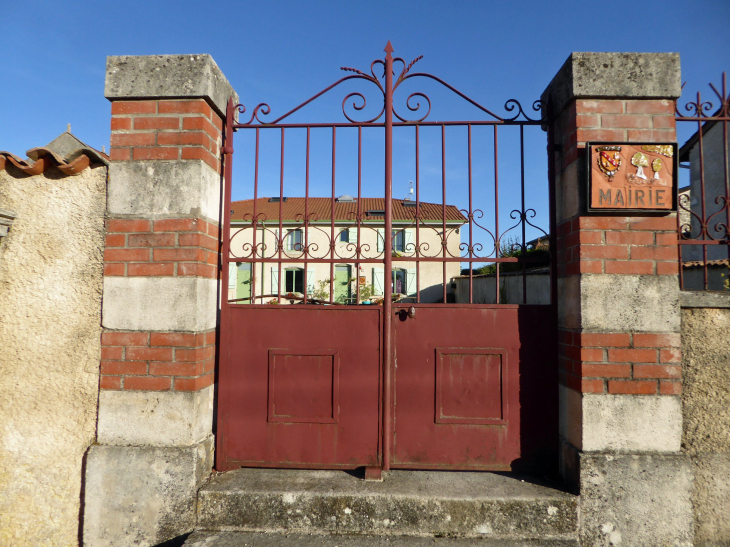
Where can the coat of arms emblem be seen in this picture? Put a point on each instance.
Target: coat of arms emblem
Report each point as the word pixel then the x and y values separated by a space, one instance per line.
pixel 609 160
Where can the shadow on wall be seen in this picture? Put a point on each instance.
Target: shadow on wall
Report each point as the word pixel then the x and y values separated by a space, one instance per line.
pixel 510 288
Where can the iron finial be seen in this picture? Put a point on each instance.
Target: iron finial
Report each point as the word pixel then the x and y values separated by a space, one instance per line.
pixel 388 48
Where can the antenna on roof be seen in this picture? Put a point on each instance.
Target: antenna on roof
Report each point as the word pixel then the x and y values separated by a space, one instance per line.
pixel 68 128
pixel 103 149
pixel 410 191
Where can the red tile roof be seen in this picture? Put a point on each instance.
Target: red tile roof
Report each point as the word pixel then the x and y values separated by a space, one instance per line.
pixel 320 209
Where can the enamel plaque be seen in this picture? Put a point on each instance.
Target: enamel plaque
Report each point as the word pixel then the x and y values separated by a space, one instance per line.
pixel 636 176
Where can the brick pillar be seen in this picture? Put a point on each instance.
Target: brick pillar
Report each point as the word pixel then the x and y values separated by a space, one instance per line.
pixel 619 316
pixel 159 314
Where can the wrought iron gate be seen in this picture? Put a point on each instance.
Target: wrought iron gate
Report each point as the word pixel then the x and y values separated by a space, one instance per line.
pixel 446 375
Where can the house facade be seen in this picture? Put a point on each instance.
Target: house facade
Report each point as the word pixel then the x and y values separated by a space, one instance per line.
pixel 360 245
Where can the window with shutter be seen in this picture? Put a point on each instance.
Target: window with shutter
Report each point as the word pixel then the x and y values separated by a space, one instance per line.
pixel 411 282
pixel 381 239
pixel 274 280
pixel 410 240
pixel 378 280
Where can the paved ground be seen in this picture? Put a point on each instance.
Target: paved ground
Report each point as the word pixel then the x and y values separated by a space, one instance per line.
pixel 244 539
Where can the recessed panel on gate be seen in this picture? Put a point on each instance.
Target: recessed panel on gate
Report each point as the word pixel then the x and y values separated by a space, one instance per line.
pixel 304 386
pixel 470 386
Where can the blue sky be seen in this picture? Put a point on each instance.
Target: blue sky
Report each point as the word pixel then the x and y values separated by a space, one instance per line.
pixel 282 52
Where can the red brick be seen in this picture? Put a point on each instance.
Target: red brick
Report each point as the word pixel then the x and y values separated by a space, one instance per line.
pixel 650 106
pixel 657 340
pixel 664 122
pixel 152 240
pixel 632 355
pixel 599 106
pixel 197 106
pixel 208 365
pixel 120 154
pixel 200 270
pixel 670 388
pixel 604 251
pixel 178 225
pixel 133 139
pixel 591 386
pixel 211 257
pixel 134 107
pixel 606 371
pixel 588 238
pixel 591 354
pixel 603 223
pixel 200 154
pixel 629 267
pixel 112 352
pixel 201 124
pixel 123 367
pixel 120 225
pixel 124 338
pixel 655 252
pixel 592 135
pixel 155 153
pixel 607 340
pixel 666 239
pixel 193 384
pixel 657 371
pixel 110 382
pixel 168 122
pixel 113 269
pixel 150 269
pixel 149 354
pixel 147 383
pixel 647 135
pixel 177 339
pixel 197 354
pixel 213 230
pixel 631 387
pixel 198 240
pixel 126 255
pixel 189 138
pixel 176 369
pixel 590 266
pixel 629 238
pixel 626 120
pixel 121 124
pixel 210 337
pixel 667 268
pixel 587 120
pixel 114 240
pixel 670 355
pixel 668 223
pixel 188 254
pixel 217 121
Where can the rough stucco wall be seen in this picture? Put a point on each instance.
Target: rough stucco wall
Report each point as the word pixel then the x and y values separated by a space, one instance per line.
pixel 50 315
pixel 706 412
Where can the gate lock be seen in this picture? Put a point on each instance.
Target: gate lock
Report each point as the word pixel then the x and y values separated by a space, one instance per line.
pixel 403 314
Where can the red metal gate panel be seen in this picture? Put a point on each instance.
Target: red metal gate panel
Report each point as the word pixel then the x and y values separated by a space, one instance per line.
pixel 460 375
pixel 302 389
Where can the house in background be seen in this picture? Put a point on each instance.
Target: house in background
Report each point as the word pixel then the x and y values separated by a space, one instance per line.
pixel 714 172
pixel 407 279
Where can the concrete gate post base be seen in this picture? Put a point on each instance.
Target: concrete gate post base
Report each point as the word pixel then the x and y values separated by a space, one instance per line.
pixel 155 423
pixel 619 312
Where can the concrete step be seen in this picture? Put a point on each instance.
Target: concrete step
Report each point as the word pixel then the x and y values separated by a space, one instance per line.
pixel 262 539
pixel 405 503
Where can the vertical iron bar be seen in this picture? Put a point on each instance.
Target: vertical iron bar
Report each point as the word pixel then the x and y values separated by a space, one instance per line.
pixel 497 244
pixel 471 217
pixel 443 206
pixel 306 221
pixel 704 231
pixel 522 192
pixel 388 266
pixel 418 221
pixel 225 244
pixel 725 111
pixel 255 223
pixel 359 212
pixel 332 220
pixel 280 240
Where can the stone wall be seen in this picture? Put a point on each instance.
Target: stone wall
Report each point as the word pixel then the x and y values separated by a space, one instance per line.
pixel 50 327
pixel 706 411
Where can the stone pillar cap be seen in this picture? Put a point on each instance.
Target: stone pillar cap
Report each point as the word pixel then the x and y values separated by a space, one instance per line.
pixel 615 76
pixel 144 77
